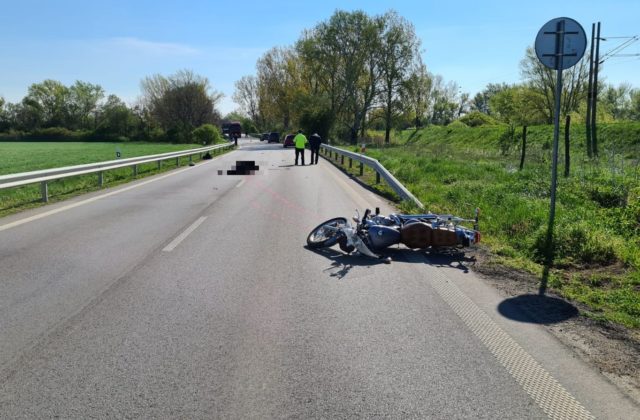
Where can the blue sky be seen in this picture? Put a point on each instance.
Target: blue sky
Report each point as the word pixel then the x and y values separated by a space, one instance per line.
pixel 117 43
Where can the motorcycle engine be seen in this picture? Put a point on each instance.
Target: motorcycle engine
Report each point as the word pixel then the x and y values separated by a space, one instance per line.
pixel 383 236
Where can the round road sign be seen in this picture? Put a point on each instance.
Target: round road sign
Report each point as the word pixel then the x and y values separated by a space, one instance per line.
pixel 548 40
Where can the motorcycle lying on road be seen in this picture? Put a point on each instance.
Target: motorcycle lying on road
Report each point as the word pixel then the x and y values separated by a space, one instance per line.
pixel 373 233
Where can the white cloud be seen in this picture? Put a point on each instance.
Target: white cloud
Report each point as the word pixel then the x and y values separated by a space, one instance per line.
pixel 150 47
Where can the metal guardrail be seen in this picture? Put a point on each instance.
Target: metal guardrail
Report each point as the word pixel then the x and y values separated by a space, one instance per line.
pixel 45 175
pixel 381 171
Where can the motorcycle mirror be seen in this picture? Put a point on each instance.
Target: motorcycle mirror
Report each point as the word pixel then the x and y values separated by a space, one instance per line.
pixel 355 219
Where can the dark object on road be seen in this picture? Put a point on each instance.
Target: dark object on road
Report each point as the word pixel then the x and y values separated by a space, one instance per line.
pixel 375 233
pixel 243 167
pixel 264 136
pixel 207 156
pixel 274 137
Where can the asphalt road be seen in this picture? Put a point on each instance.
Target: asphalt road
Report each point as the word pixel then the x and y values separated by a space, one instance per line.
pixel 192 295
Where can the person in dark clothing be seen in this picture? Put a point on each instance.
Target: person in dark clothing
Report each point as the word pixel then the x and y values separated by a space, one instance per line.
pixel 314 143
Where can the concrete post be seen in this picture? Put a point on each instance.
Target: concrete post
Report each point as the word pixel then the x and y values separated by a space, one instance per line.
pixel 44 189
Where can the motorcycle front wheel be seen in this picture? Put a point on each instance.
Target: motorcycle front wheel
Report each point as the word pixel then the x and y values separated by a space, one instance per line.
pixel 320 237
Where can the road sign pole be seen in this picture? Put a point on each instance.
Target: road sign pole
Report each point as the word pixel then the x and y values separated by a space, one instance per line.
pixel 556 124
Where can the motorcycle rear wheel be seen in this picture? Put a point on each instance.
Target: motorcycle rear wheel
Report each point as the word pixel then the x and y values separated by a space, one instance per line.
pixel 324 238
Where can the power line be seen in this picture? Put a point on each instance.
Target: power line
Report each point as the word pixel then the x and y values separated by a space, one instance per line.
pixel 612 52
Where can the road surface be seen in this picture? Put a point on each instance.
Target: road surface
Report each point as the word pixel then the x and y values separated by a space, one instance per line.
pixel 192 295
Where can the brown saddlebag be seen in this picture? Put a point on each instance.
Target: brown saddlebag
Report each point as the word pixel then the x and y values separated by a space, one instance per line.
pixel 422 235
pixel 416 235
pixel 444 237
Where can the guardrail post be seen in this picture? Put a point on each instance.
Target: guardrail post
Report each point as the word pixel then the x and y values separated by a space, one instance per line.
pixel 135 171
pixel 361 168
pixel 377 177
pixel 341 159
pixel 100 179
pixel 177 161
pixel 350 163
pixel 44 189
pixel 190 158
pixel 159 164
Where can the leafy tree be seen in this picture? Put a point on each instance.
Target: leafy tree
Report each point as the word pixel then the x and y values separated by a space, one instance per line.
pixel 5 122
pixel 115 118
pixel 444 102
pixel 616 101
pixel 417 91
pixel 277 85
pixel 180 102
pixel 398 50
pixel 515 105
pixel 481 101
pixel 82 103
pixel 634 111
pixel 48 103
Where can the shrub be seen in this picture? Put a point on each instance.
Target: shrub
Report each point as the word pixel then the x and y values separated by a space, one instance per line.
pixel 476 119
pixel 207 134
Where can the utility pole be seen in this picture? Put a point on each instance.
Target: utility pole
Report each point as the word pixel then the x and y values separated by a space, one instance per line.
pixel 590 94
pixel 594 136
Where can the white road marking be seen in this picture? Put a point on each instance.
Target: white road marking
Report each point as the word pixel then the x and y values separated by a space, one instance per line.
pixel 184 234
pixel 91 200
pixel 241 183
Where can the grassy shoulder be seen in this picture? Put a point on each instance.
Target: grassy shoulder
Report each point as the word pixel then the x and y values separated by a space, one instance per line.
pixel 31 156
pixel 597 253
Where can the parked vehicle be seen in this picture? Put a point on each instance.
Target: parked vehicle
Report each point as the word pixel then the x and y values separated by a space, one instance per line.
pixel 264 136
pixel 288 140
pixel 372 234
pixel 274 137
pixel 235 129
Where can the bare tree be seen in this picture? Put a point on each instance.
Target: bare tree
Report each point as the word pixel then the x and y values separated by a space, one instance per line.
pixel 542 80
pixel 246 95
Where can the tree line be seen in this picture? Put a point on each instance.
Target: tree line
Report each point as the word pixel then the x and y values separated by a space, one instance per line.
pixel 354 71
pixel 170 108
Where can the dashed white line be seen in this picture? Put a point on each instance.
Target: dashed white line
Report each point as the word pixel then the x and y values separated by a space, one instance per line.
pixel 241 183
pixel 184 234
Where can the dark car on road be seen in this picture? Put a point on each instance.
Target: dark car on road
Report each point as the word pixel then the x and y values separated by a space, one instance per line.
pixel 274 137
pixel 288 140
pixel 264 136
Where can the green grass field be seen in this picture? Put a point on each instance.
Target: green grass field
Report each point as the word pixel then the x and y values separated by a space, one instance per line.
pixel 597 254
pixel 31 156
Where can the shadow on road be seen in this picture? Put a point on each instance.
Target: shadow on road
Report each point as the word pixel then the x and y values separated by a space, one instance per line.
pixel 452 258
pixel 537 309
pixel 342 263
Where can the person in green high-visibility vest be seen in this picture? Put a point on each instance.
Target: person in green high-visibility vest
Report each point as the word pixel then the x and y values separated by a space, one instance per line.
pixel 299 142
